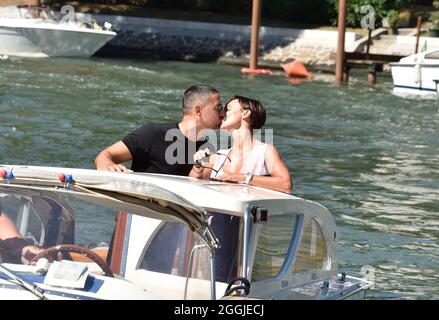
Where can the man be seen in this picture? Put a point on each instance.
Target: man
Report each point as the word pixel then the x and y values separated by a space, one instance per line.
pixel 148 146
pixel 151 146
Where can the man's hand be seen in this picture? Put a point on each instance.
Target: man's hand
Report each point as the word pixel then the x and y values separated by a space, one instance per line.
pixel 110 158
pixel 201 157
pixel 116 168
pixel 28 252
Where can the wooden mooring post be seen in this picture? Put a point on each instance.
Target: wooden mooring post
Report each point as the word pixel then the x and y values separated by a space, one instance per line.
pixel 418 33
pixel 339 68
pixel 254 44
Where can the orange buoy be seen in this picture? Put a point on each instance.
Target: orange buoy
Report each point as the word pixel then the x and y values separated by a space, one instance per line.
pixel 257 71
pixel 296 69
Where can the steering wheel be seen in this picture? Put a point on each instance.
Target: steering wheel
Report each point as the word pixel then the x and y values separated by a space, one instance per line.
pixel 66 248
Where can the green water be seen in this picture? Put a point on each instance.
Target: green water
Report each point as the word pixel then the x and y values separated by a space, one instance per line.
pixel 370 157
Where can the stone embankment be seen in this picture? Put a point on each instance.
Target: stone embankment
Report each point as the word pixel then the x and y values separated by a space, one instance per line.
pixel 201 41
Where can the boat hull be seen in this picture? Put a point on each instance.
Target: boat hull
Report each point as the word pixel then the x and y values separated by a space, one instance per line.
pixel 50 40
pixel 415 78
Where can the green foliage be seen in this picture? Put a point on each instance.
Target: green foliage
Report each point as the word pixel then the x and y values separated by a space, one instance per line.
pixel 381 8
pixel 434 16
pixel 311 12
pixel 393 18
pixel 434 19
pixel 318 12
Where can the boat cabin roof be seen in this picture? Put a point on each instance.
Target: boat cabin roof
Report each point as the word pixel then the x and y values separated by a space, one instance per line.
pixel 432 54
pixel 196 194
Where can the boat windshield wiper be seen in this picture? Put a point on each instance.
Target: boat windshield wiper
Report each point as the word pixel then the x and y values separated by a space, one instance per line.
pixel 30 286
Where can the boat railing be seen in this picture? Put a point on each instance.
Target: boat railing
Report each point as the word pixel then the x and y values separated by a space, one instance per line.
pixel 35 12
pixel 45 13
pixel 65 16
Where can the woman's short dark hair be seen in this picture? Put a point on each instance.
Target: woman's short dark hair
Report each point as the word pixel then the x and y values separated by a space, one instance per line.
pixel 258 114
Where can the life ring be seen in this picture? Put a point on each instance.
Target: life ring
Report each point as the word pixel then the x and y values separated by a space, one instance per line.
pixel 257 71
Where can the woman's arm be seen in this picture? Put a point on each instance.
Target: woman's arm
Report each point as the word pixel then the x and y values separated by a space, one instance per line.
pixel 279 178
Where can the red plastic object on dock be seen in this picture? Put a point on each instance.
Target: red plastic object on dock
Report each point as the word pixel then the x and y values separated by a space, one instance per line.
pixel 257 71
pixel 296 69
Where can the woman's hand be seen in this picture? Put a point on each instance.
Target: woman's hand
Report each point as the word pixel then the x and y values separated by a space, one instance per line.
pixel 231 177
pixel 201 157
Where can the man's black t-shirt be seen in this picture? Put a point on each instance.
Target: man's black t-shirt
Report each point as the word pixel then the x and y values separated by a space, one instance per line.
pixel 161 148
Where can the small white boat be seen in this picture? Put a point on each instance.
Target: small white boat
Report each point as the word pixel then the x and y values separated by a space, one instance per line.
pixel 35 33
pixel 415 74
pixel 174 238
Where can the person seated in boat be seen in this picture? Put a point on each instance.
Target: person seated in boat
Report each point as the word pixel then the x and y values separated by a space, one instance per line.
pixel 13 248
pixel 249 160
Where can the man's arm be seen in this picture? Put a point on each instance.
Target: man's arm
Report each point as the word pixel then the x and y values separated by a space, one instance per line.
pixel 7 228
pixel 110 159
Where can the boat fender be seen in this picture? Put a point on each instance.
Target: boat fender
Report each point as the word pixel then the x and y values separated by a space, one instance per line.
pixel 417 73
pixel 296 69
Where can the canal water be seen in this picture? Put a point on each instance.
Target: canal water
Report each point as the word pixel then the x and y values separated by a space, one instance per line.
pixel 370 157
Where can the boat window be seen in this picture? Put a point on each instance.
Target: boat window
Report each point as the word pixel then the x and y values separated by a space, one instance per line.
pixel 170 249
pixel 175 250
pixel 23 215
pixel 226 229
pixel 45 219
pixel 273 245
pixel 312 252
pixel 94 223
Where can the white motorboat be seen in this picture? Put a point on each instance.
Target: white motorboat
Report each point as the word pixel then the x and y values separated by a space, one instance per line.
pixel 415 74
pixel 35 33
pixel 174 238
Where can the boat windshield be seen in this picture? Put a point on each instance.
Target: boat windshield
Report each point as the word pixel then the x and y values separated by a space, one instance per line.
pixel 173 249
pixel 227 230
pixel 47 219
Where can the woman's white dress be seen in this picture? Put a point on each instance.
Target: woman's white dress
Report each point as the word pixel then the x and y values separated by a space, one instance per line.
pixel 253 163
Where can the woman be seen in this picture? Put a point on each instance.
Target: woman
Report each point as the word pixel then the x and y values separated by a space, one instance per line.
pixel 249 160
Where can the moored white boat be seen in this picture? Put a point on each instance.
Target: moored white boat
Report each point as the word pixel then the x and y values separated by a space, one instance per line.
pixel 174 238
pixel 35 33
pixel 415 74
